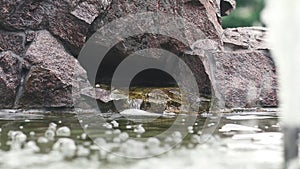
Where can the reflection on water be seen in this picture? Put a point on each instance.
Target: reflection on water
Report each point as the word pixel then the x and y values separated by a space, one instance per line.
pixel 41 139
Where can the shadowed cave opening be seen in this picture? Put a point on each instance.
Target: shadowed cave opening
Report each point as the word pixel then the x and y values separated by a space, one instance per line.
pixel 151 77
pixel 145 78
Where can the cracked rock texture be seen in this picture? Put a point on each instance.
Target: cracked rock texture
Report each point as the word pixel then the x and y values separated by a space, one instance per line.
pixel 242 72
pixel 40 40
pixel 52 74
pixel 9 78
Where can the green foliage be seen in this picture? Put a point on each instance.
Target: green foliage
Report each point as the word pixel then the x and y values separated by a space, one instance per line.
pixel 246 14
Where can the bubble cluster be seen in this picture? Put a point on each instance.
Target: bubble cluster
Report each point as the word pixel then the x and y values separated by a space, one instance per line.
pixel 63 131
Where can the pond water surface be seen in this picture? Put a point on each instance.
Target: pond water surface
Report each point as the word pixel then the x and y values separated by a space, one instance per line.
pixel 33 139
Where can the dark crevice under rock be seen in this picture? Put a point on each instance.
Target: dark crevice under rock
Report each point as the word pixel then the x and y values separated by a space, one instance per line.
pixel 21 78
pixel 151 77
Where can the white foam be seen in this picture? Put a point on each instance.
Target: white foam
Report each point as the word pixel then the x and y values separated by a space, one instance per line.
pixel 237 127
pixel 250 117
pixel 137 112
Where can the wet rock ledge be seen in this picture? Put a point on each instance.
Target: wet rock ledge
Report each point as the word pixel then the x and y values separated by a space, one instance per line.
pixel 41 39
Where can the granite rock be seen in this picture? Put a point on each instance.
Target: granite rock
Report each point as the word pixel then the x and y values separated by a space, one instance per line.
pixel 9 78
pixel 54 76
pixel 12 42
pixel 242 72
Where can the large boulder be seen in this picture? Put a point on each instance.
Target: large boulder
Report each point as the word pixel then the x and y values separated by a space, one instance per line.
pixel 9 78
pixel 173 26
pixel 68 28
pixel 74 21
pixel 242 72
pixel 254 68
pixel 53 76
pixel 201 14
pixel 246 79
pixel 69 20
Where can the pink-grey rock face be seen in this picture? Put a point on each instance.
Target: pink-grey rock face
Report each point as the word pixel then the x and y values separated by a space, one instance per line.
pixel 73 21
pixel 12 42
pixel 250 48
pixel 21 15
pixel 198 69
pixel 66 26
pixel 248 38
pixel 241 71
pixel 199 13
pixel 52 74
pixel 233 64
pixel 67 19
pixel 88 11
pixel 9 78
pixel 246 79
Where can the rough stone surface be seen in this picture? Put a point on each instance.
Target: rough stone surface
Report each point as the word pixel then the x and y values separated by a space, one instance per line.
pixel 200 73
pixel 199 13
pixel 9 78
pixel 21 15
pixel 96 93
pixel 51 70
pixel 242 72
pixel 89 10
pixel 211 20
pixel 71 20
pixel 86 12
pixel 249 67
pixel 66 26
pixel 54 16
pixel 12 41
pixel 234 64
pixel 246 79
pixel 248 38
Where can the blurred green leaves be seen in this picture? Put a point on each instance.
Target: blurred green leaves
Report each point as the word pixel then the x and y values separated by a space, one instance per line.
pixel 246 14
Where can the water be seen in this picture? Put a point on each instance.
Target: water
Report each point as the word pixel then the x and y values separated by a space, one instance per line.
pixel 243 139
